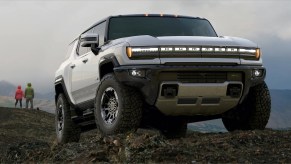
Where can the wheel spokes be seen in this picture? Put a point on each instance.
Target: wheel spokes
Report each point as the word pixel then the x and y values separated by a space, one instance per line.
pixel 109 106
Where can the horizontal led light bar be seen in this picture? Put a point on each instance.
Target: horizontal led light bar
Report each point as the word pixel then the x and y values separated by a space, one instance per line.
pixel 142 52
pixel 247 50
pixel 154 52
pixel 166 49
pixel 144 49
pixel 219 49
pixel 195 49
pixel 231 49
pixel 180 49
pixel 206 49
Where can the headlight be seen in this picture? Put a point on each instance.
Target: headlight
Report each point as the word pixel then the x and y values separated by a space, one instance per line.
pixel 250 54
pixel 142 52
pixel 137 53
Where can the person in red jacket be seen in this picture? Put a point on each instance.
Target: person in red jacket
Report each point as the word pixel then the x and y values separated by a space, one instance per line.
pixel 18 96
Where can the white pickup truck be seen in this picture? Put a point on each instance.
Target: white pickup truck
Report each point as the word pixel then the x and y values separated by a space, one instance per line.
pixel 129 71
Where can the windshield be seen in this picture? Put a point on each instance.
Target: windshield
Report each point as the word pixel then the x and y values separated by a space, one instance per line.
pixel 120 27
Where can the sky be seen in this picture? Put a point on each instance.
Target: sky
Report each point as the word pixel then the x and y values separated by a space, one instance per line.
pixel 34 35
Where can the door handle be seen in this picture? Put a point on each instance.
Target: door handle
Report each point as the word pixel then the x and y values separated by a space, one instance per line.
pixel 85 60
pixel 73 66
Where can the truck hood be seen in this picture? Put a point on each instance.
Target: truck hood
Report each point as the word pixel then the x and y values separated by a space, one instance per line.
pixel 146 40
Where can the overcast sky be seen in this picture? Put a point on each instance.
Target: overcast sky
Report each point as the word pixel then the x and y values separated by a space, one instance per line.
pixel 34 34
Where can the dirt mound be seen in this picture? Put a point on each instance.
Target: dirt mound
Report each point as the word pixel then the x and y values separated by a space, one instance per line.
pixel 29 136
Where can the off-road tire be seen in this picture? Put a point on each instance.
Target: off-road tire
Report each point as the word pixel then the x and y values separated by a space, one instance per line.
pixel 253 113
pixel 129 106
pixel 69 132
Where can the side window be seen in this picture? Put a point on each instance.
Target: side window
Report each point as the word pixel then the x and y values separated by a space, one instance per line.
pixel 100 29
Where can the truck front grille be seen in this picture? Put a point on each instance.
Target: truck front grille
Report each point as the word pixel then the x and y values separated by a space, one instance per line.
pixel 202 77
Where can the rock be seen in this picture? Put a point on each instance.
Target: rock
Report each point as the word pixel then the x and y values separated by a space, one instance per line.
pixel 116 143
pixel 27 136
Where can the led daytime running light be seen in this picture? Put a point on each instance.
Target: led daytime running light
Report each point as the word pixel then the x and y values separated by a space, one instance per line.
pixel 231 49
pixel 207 49
pixel 145 49
pixel 247 50
pixel 219 49
pixel 131 50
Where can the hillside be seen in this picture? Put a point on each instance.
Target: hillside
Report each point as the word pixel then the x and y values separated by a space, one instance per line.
pixel 28 136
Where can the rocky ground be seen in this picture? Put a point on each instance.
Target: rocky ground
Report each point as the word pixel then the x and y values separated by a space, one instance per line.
pixel 29 136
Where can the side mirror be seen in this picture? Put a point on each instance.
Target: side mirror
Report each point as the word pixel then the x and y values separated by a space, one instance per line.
pixel 89 40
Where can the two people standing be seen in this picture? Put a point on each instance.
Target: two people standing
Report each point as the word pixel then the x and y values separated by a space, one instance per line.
pixel 28 95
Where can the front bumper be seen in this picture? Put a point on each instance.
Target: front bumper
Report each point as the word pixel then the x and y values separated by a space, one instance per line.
pixel 155 76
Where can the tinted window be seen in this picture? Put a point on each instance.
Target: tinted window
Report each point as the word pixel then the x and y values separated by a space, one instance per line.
pixel 158 26
pixel 99 29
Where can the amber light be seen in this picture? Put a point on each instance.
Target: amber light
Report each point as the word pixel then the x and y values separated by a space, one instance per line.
pixel 258 53
pixel 129 52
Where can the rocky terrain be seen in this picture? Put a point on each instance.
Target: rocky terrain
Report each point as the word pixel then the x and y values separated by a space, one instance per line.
pixel 29 136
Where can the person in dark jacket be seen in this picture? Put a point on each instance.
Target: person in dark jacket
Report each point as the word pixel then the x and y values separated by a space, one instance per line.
pixel 29 95
pixel 18 96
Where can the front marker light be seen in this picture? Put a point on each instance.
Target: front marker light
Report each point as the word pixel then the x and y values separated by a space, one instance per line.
pixel 258 53
pixel 129 52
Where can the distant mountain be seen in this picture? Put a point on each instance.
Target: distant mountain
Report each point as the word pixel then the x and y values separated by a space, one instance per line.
pixel 45 96
pixel 8 89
